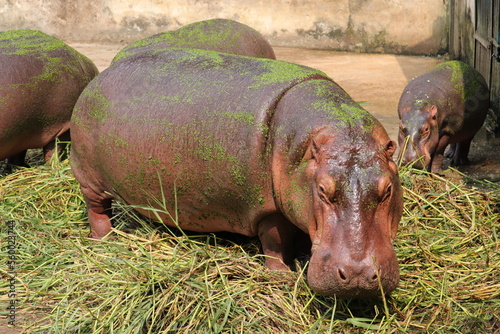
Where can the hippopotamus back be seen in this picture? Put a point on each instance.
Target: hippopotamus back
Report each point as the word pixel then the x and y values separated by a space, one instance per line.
pixel 246 145
pixel 216 35
pixel 41 80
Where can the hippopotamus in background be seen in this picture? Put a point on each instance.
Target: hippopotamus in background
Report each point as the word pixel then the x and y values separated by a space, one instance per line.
pixel 446 105
pixel 244 145
pixel 216 35
pixel 41 79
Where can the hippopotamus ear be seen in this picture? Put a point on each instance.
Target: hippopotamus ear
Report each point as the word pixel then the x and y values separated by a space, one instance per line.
pixel 317 143
pixel 390 148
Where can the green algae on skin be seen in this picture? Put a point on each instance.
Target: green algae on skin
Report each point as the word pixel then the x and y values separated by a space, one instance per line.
pixel 209 34
pixel 48 49
pixel 100 104
pixel 459 71
pixel 278 72
pixel 244 117
pixel 349 115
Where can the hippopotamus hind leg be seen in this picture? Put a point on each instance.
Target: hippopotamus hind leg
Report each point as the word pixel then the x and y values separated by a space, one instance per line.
pixel 99 212
pixel 461 152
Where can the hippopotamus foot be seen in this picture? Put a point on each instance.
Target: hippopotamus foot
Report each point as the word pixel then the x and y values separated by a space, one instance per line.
pixel 99 212
pixel 18 159
pixel 450 153
pixel 459 153
pixel 277 236
pixel 60 148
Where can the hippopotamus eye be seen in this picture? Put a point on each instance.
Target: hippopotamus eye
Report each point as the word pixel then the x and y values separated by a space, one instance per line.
pixel 403 129
pixel 326 194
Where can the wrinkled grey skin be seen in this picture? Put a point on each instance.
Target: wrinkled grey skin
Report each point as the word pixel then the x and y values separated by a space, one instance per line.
pixel 244 145
pixel 446 105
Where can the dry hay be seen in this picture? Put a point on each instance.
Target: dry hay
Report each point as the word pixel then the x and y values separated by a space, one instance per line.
pixel 151 280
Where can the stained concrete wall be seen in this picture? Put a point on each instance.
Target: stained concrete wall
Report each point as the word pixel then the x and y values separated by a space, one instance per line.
pixel 394 26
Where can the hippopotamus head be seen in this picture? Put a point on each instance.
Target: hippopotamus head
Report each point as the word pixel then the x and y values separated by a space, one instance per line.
pixel 344 192
pixel 418 134
pixel 356 204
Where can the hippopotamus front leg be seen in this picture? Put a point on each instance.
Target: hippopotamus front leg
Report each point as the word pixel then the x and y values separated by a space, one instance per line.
pixel 277 236
pixel 17 159
pixel 438 156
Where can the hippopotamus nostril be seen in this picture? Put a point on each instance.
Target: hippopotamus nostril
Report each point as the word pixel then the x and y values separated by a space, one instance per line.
pixel 342 275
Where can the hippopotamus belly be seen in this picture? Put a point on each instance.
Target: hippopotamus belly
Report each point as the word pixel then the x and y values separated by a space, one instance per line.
pixel 208 141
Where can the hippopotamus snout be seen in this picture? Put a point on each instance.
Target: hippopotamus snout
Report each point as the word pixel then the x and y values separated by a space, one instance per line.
pixel 347 277
pixel 409 155
pixel 415 147
pixel 352 254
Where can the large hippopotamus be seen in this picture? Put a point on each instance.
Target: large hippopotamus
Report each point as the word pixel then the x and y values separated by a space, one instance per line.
pixel 446 105
pixel 41 79
pixel 216 35
pixel 216 142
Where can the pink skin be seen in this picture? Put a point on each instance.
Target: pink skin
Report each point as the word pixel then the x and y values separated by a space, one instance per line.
pixel 342 205
pixel 424 144
pixel 446 105
pixel 365 254
pixel 317 165
pixel 36 109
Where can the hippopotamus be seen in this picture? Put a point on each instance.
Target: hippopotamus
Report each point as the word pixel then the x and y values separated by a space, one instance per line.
pixel 216 35
pixel 446 105
pixel 41 80
pixel 209 141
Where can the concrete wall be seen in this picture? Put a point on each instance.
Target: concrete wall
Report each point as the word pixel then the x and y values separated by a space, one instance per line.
pixel 394 26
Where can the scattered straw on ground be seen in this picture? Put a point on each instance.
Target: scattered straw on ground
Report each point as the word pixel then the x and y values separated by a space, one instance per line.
pixel 149 280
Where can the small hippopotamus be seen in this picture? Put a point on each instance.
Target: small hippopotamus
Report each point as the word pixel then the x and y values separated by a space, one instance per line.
pixel 216 142
pixel 41 80
pixel 216 35
pixel 446 105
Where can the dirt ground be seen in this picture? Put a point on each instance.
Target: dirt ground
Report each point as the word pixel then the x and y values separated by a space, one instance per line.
pixel 375 79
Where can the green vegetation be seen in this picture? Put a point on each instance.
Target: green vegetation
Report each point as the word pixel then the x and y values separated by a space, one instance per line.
pixel 148 279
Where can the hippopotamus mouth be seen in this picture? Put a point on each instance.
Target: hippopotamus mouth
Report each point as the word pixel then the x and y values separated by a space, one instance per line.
pixel 354 280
